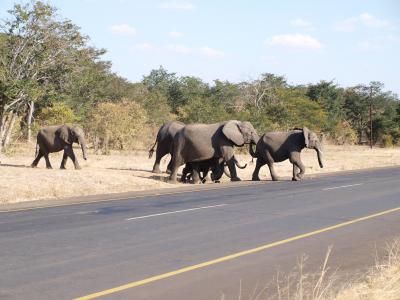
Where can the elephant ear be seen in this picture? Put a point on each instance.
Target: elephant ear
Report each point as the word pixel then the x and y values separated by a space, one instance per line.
pixel 306 133
pixel 65 134
pixel 232 132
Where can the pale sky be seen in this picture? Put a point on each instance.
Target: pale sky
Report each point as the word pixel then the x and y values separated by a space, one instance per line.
pixel 349 42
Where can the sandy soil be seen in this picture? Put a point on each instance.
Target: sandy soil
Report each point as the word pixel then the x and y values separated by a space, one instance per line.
pixel 131 171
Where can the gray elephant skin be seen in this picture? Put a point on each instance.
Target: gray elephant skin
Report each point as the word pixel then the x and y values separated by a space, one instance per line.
pixel 165 137
pixel 56 138
pixel 217 166
pixel 199 142
pixel 279 146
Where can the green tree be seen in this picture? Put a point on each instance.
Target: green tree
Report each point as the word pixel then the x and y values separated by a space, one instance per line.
pixel 330 97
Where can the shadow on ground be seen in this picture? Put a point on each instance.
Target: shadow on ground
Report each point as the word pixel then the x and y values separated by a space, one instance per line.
pixel 14 166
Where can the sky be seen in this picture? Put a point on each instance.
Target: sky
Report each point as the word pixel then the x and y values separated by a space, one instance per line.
pixel 349 42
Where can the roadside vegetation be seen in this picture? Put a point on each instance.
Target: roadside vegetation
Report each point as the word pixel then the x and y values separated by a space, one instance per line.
pixel 49 74
pixel 379 282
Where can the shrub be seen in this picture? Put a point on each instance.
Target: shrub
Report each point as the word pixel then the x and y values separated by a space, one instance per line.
pixel 343 134
pixel 387 140
pixel 116 125
pixel 58 113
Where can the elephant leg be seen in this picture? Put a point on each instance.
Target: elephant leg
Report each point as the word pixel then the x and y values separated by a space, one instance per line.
pixel 71 154
pixel 160 153
pixel 259 163
pixel 168 171
pixel 274 176
pixel 48 164
pixel 196 175
pixel 176 162
pixel 64 160
pixel 297 163
pixel 232 169
pixel 36 160
pixel 185 171
pixel 295 171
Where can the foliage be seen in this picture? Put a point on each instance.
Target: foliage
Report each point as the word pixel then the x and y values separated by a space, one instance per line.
pixel 56 114
pixel 116 125
pixel 49 74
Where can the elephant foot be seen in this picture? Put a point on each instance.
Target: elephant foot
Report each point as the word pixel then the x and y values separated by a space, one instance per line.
pixel 296 178
pixel 33 166
pixel 255 178
pixel 63 168
pixel 156 171
pixel 236 179
pixel 168 171
pixel 78 168
pixel 172 181
pixel 49 167
pixel 275 178
pixel 217 181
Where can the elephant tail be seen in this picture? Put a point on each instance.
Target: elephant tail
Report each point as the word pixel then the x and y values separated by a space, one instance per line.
pixel 36 149
pixel 151 151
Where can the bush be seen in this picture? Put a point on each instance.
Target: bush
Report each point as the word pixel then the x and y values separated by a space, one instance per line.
pixel 343 134
pixel 116 125
pixel 387 140
pixel 57 114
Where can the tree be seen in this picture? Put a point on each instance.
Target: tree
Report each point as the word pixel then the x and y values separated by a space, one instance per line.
pixel 330 97
pixel 40 58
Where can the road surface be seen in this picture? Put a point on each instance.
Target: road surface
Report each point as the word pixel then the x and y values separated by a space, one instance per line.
pixel 199 244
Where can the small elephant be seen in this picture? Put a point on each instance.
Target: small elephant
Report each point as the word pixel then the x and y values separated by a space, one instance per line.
pixel 279 146
pixel 199 170
pixel 165 137
pixel 56 138
pixel 199 142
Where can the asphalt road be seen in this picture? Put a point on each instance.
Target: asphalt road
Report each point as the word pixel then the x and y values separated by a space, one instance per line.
pixel 180 246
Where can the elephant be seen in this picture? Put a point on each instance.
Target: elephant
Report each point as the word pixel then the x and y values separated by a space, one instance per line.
pixel 215 165
pixel 56 138
pixel 164 141
pixel 279 146
pixel 199 142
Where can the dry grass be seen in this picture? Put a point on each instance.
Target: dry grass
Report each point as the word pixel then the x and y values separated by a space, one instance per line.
pixel 130 171
pixel 380 282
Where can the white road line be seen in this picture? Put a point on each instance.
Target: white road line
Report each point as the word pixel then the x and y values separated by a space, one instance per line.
pixel 175 212
pixel 342 186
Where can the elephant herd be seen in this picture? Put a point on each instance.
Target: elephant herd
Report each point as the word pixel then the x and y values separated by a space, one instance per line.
pixel 200 147
pixel 209 147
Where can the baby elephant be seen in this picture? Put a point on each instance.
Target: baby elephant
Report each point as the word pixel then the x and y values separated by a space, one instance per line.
pixel 279 146
pixel 198 170
pixel 56 138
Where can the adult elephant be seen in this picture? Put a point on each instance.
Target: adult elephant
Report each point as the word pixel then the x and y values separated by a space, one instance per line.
pixel 165 137
pixel 217 166
pixel 56 138
pixel 199 142
pixel 279 146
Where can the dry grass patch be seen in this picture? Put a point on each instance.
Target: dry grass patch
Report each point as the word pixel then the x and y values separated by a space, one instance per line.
pixel 380 282
pixel 131 171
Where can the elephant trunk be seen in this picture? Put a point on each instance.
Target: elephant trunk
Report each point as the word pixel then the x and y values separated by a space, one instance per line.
pixel 319 154
pixel 239 165
pixel 82 142
pixel 252 152
pixel 226 172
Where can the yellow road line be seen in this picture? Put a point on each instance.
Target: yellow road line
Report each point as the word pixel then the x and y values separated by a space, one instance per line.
pixel 230 257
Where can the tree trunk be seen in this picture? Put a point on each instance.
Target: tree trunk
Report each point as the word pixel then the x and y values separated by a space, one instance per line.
pixel 10 127
pixel 29 119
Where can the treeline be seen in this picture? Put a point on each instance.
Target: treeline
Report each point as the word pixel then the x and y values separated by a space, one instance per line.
pixel 50 75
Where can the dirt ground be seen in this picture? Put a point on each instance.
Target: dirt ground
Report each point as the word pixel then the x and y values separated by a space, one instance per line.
pixel 131 171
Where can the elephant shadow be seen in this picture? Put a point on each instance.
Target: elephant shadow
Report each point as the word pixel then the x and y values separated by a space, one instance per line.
pixel 14 166
pixel 130 169
pixel 156 178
